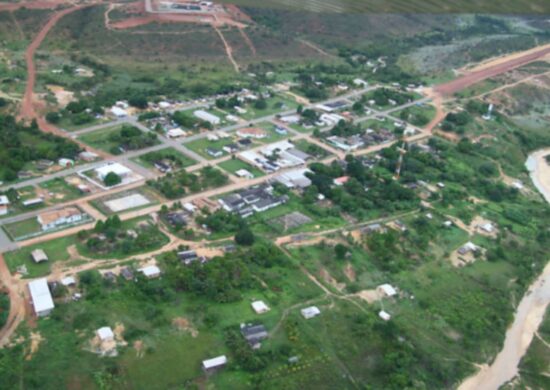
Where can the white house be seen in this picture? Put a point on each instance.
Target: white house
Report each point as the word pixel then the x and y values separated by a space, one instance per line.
pixel 53 219
pixel 105 334
pixel 175 133
pixel 150 272
pixel 384 315
pixel 207 117
pixel 310 312
pixel 243 173
pixel 65 162
pixel 260 307
pixel 215 363
pixel 41 297
pixel 116 168
pixel 4 203
pixel 119 112
pixel 68 281
pixel 387 289
pixel 38 256
pixel 252 132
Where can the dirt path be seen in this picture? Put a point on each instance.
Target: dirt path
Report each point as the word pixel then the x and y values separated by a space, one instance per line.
pixel 248 41
pixel 529 313
pixel 17 303
pixel 492 69
pixel 315 48
pixel 228 49
pixel 17 25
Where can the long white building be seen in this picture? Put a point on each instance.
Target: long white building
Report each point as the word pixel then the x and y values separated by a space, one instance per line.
pixel 41 297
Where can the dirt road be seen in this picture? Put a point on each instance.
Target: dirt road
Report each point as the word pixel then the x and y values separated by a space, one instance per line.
pixel 501 66
pixel 529 313
pixel 17 303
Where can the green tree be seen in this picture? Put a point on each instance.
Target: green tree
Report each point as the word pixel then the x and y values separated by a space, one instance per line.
pixel 112 179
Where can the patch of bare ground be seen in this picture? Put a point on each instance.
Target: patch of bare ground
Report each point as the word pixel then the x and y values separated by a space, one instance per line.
pixel 36 339
pixel 369 296
pixel 349 271
pixel 183 324
pixel 328 278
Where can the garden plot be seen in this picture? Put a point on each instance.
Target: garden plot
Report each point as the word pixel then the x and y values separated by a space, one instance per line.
pixel 292 220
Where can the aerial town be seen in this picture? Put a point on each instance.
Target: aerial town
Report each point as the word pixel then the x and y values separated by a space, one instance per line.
pixel 196 194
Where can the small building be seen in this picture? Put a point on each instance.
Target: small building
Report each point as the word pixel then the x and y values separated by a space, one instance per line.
pixel 469 247
pixel 254 334
pixel 175 133
pixel 214 152
pixel 38 256
pixel 105 334
pixel 119 112
pixel 252 132
pixel 150 272
pixel 65 162
pixel 116 168
pixel 448 224
pixel 41 297
pixel 188 257
pixel 243 173
pixel 214 364
pixel 310 312
pixel 87 156
pixel 387 290
pixel 32 202
pixel 207 117
pixel 68 281
pixel 127 273
pixel 340 181
pixel 487 227
pixel 384 315
pixel 4 203
pixel 54 219
pixel 260 307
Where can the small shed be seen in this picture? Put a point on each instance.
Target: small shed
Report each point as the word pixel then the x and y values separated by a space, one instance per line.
pixel 260 307
pixel 68 281
pixel 215 363
pixel 38 256
pixel 105 334
pixel 387 289
pixel 150 272
pixel 384 315
pixel 310 312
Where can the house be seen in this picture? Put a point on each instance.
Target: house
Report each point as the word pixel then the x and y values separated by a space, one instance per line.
pixel 260 307
pixel 163 167
pixel 243 173
pixel 214 364
pixel 32 202
pixel 177 218
pixel 116 168
pixel 252 132
pixel 232 118
pixel 340 181
pixel 310 312
pixel 41 297
pixel 330 119
pixel 487 227
pixel 54 219
pixel 214 152
pixel 387 290
pixel 346 144
pixel 187 257
pixel 127 273
pixel 4 203
pixel 295 179
pixel 207 117
pixel 281 130
pixel 231 148
pixel 448 224
pixel 240 110
pixel 105 334
pixel 65 162
pixel 469 247
pixel 38 256
pixel 68 281
pixel 150 272
pixel 254 334
pixel 87 156
pixel 119 112
pixel 291 119
pixel 175 133
pixel 331 107
pixel 212 137
pixel 384 315
pixel 360 83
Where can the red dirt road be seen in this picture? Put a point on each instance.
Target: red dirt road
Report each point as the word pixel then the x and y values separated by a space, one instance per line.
pixel 472 78
pixel 52 4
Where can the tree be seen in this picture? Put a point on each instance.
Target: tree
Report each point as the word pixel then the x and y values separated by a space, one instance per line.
pixel 53 117
pixel 340 251
pixel 112 179
pixel 260 104
pixel 244 236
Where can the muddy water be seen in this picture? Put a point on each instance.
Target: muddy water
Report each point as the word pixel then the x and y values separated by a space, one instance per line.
pixel 530 312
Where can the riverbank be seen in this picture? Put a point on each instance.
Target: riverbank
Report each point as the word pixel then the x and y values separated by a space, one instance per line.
pixel 530 311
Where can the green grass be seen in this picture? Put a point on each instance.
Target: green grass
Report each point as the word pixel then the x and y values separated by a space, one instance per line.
pixel 275 104
pixel 100 138
pixel 56 250
pixel 67 124
pixel 273 136
pixel 233 165
pixel 61 191
pixel 199 146
pixel 18 230
pixel 181 161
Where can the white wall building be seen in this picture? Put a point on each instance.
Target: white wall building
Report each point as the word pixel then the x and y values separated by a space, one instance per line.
pixel 41 297
pixel 207 117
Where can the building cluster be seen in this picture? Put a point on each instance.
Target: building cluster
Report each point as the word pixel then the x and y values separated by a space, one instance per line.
pixel 276 156
pixel 252 200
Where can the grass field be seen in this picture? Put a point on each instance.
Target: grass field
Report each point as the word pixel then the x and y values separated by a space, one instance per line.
pixel 179 160
pixel 234 164
pixel 60 191
pixel 101 139
pixel 199 146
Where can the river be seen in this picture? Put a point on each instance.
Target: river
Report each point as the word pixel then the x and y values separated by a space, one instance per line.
pixel 530 311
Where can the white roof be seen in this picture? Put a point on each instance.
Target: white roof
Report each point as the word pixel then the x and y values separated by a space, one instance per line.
pixel 117 168
pixel 4 201
pixel 67 281
pixel 117 111
pixel 105 333
pixel 243 173
pixel 177 132
pixel 215 362
pixel 206 116
pixel 41 296
pixel 260 307
pixel 488 227
pixel 310 312
pixel 282 146
pixel 384 315
pixel 471 246
pixel 39 255
pixel 151 270
pixel 388 289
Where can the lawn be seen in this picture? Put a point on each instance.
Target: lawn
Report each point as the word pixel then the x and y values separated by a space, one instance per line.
pixel 22 229
pixel 118 139
pixel 60 191
pixel 56 250
pixel 178 159
pixel 234 164
pixel 419 115
pixel 275 105
pixel 199 146
pixel 273 136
